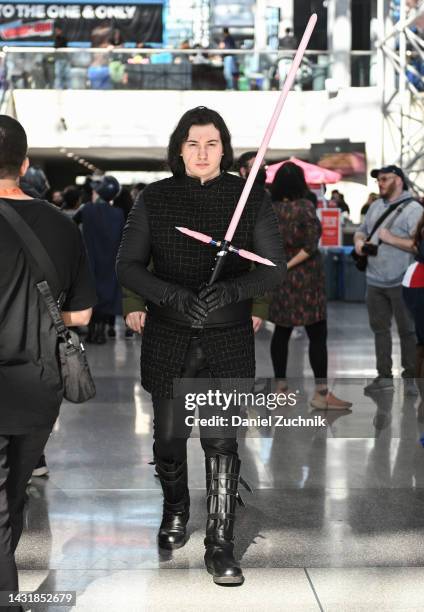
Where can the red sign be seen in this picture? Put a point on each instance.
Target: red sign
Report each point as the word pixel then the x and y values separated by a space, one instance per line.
pixel 27 30
pixel 331 227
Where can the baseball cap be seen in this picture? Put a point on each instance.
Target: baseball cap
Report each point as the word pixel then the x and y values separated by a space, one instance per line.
pixel 392 169
pixel 107 187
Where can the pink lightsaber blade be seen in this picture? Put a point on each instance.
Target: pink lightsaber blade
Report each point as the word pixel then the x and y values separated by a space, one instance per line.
pixel 195 235
pixel 251 256
pixel 209 240
pixel 271 127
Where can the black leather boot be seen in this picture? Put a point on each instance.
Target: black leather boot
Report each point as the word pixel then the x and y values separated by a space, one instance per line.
pixel 222 476
pixel 100 333
pixel 91 336
pixel 176 504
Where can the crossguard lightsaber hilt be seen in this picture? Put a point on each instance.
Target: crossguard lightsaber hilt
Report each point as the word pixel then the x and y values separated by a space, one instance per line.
pixel 224 249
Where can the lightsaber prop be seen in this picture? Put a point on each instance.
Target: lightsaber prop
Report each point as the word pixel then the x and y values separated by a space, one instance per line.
pixel 225 245
pixel 209 240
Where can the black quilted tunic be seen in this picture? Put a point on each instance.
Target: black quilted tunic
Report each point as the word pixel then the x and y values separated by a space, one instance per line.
pixel 151 233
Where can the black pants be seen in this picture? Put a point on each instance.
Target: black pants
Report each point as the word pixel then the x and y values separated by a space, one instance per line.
pixel 19 455
pixel 317 334
pixel 414 298
pixel 170 430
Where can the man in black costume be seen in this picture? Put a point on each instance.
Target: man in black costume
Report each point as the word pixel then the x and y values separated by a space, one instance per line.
pixel 194 330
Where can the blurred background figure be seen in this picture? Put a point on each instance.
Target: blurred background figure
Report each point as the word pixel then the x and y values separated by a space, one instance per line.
pixel 124 201
pixel 102 226
pixel 98 72
pixel 337 201
pixel 200 57
pixel 244 166
pixel 183 58
pixel 300 300
pixel 288 41
pixel 371 198
pixel 71 201
pixel 229 61
pixel 62 65
pixel 35 183
pixel 136 190
pixel 116 39
pixel 57 198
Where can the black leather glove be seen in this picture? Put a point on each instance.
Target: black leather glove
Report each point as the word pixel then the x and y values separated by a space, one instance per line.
pixel 220 294
pixel 185 301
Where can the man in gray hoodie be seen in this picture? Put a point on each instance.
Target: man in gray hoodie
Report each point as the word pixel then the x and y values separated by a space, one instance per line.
pixel 390 251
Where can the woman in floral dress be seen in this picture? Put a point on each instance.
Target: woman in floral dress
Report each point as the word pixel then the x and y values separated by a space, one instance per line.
pixel 300 300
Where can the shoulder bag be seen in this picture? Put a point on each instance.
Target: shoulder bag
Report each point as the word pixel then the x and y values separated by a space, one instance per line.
pixel 78 384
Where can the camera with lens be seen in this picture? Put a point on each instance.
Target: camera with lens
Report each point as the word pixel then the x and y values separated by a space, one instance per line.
pixel 370 249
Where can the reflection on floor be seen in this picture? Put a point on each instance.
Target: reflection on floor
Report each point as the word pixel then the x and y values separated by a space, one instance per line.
pixel 335 522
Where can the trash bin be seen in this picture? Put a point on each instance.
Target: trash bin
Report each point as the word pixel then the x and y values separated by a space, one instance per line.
pixel 354 281
pixel 333 266
pixel 243 83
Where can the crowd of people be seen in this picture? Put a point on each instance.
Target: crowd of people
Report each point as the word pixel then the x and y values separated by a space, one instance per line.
pixel 101 208
pixel 191 328
pixel 188 65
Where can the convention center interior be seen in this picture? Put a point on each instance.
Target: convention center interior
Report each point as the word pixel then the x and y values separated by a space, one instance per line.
pixel 212 305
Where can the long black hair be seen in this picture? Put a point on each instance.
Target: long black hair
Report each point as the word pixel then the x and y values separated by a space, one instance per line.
pixel 198 116
pixel 289 183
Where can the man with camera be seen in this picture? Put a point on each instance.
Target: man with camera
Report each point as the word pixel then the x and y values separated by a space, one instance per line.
pixel 385 238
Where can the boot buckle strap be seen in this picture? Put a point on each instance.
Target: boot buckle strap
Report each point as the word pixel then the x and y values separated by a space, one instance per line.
pixel 245 484
pixel 234 477
pixel 222 491
pixel 240 500
pixel 221 515
pixel 224 475
pixel 248 488
pixel 174 506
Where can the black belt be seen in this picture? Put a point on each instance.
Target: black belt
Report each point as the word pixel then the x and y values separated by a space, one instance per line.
pixel 232 314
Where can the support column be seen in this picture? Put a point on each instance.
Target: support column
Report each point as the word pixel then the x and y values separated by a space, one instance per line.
pixel 403 95
pixel 389 142
pixel 260 25
pixel 339 31
pixel 287 14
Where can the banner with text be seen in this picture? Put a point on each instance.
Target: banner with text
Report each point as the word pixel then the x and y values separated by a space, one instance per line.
pixel 81 22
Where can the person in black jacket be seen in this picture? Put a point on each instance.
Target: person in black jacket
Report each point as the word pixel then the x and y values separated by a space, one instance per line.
pixel 102 226
pixel 31 387
pixel 194 330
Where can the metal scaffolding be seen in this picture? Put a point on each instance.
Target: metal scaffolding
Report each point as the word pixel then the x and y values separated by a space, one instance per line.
pixel 401 49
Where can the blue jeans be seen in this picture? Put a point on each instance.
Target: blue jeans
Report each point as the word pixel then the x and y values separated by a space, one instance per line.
pixel 62 73
pixel 230 69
